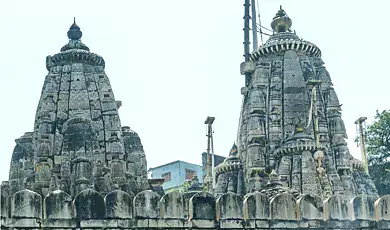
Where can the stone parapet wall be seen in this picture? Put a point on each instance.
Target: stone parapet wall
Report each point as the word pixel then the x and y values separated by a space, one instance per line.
pixel 194 210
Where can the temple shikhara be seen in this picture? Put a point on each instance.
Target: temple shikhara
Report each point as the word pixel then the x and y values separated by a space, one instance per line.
pixel 79 168
pixel 291 122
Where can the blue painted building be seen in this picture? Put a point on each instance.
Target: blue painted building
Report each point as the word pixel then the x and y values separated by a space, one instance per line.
pixel 176 173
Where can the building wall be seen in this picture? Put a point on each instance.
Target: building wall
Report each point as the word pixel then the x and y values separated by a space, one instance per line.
pixel 217 160
pixel 177 172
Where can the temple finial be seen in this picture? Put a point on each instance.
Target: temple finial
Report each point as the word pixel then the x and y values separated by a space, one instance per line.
pixel 281 22
pixel 74 32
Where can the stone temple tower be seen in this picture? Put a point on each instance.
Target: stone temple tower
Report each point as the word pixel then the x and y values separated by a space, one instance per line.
pixel 77 140
pixel 291 121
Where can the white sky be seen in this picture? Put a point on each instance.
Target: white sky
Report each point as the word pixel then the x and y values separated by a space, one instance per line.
pixel 173 63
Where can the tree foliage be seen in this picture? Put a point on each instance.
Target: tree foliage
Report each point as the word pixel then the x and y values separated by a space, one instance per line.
pixel 378 151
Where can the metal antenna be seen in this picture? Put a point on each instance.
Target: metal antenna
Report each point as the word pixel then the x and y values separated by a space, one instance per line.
pixel 260 30
pixel 254 26
pixel 360 122
pixel 247 17
pixel 210 165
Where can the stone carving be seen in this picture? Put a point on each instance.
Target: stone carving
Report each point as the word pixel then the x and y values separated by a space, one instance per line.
pixel 79 153
pixel 291 121
pixel 78 142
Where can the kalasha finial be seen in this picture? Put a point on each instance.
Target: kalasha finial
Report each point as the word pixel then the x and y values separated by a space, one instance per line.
pixel 281 22
pixel 74 32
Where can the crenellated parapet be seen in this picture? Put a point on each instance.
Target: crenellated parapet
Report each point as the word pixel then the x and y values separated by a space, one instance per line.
pixel 148 210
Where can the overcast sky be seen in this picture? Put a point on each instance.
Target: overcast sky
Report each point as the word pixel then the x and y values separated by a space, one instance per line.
pixel 173 63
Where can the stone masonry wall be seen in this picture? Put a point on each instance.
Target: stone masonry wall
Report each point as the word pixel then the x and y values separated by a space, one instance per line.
pixel 195 210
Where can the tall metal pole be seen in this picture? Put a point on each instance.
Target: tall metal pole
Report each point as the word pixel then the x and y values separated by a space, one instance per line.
pixel 212 157
pixel 360 122
pixel 246 38
pixel 209 121
pixel 254 26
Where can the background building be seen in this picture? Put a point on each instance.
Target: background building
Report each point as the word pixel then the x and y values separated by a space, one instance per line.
pixel 176 173
pixel 217 160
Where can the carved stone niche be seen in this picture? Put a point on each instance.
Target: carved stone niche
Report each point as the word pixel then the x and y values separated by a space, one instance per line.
pixel 118 171
pixel 78 130
pixel 81 167
pixel 42 175
pixel 44 147
pixel 255 155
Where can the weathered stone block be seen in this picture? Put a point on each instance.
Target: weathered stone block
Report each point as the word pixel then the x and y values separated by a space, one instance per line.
pixel 336 208
pixel 146 205
pixel 361 207
pixel 256 207
pixel 89 204
pixel 77 81
pixel 57 205
pixel 112 122
pixel 119 204
pixel 202 206
pixel 229 206
pixel 95 104
pixel 4 200
pixel 283 207
pixel 108 106
pixel 310 207
pixel 26 204
pixel 172 206
pixel 77 67
pixel 187 196
pixel 247 67
pixel 78 100
pixel 382 208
